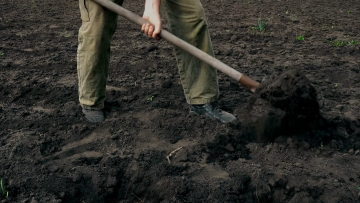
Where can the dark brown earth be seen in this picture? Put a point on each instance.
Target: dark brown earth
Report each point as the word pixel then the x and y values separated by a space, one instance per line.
pixel 50 153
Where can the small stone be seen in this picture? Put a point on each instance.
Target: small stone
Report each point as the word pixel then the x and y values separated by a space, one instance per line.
pixel 229 147
pixel 268 148
pixel 53 168
pixel 351 152
pixel 33 200
pixel 181 156
pixel 298 165
pixel 357 152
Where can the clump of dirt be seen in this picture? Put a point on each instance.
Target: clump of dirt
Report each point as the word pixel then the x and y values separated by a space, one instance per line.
pixel 293 109
pixel 291 91
pixel 228 146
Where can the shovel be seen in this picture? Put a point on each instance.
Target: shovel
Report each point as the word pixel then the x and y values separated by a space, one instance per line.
pixel 241 78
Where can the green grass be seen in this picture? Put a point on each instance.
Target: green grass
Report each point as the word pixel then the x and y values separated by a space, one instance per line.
pixel 300 37
pixel 150 98
pixel 352 42
pixel 262 24
pixel 5 192
pixel 337 43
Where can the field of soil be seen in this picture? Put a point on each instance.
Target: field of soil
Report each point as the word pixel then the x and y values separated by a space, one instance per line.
pixel 49 153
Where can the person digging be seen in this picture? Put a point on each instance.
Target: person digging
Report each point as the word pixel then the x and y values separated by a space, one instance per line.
pixel 186 20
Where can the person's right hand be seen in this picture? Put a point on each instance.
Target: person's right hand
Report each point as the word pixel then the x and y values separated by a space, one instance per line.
pixel 152 28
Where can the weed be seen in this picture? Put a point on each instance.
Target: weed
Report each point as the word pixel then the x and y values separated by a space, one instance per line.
pixel 2 54
pixel 337 43
pixel 261 24
pixel 150 98
pixel 300 37
pixel 336 85
pixel 352 42
pixel 357 187
pixel 350 12
pixel 5 192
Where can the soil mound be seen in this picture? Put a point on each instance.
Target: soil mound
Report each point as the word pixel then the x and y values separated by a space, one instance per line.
pixel 293 109
pixel 291 91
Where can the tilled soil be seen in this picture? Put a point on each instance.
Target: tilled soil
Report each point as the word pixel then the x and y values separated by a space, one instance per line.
pixel 50 153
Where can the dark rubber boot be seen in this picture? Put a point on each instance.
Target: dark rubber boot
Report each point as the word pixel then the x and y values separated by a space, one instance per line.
pixel 94 116
pixel 212 112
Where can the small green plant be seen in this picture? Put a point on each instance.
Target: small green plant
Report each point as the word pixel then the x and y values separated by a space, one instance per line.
pixel 150 98
pixel 300 37
pixel 357 187
pixel 338 43
pixel 5 192
pixel 350 12
pixel 352 42
pixel 261 24
pixel 2 54
pixel 336 85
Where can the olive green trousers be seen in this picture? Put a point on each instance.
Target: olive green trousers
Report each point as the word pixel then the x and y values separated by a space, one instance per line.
pixel 185 18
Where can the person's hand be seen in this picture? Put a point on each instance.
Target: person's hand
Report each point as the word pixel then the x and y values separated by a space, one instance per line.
pixel 152 28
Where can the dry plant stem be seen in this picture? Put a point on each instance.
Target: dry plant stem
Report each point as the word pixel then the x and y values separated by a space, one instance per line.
pixel 172 153
pixel 137 198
